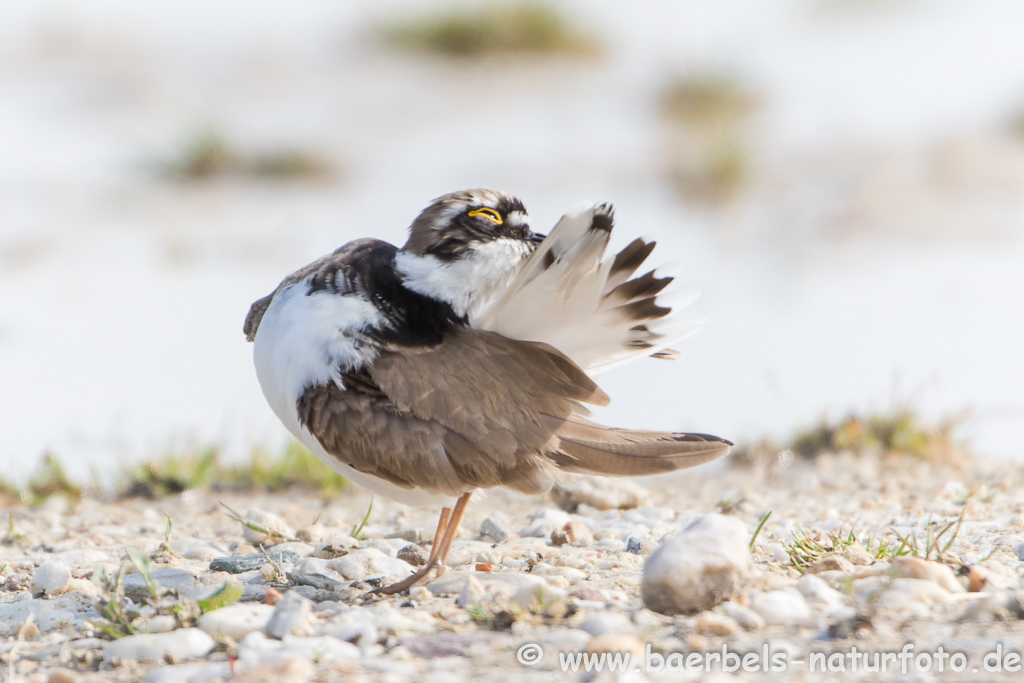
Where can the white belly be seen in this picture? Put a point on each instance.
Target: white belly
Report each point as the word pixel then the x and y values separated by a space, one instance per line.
pixel 309 340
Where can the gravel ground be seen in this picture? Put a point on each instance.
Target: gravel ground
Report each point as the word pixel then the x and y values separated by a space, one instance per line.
pixel 658 569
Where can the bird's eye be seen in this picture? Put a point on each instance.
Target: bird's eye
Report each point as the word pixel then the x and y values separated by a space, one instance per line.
pixel 490 214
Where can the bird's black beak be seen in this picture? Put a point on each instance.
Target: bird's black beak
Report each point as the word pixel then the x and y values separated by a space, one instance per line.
pixel 535 239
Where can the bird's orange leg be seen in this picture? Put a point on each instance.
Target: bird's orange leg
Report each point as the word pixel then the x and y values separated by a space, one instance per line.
pixel 447 527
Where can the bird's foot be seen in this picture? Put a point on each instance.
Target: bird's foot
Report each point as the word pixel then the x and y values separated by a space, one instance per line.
pixel 411 580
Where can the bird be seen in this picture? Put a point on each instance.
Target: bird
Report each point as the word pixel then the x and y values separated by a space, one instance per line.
pixel 465 360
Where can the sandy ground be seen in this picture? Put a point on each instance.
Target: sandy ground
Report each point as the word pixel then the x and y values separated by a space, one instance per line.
pixel 584 595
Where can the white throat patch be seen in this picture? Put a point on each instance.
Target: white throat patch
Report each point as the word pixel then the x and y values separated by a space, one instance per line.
pixel 470 281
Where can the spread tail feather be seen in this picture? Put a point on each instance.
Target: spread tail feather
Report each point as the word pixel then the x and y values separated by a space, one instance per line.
pixel 587 447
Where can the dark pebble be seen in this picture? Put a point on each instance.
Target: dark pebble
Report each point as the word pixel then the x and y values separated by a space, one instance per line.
pixel 236 564
pixel 413 554
pixel 324 583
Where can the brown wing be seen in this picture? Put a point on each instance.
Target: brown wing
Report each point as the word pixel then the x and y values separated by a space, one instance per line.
pixel 478 410
pixel 500 394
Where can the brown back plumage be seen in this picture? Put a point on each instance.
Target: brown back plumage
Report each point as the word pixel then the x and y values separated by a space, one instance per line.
pixel 482 410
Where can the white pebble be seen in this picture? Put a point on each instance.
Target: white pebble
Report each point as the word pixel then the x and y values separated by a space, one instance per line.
pixel 744 616
pixel 256 649
pixel 51 578
pixel 782 607
pixel 236 621
pixel 292 616
pixel 189 673
pixel 185 643
pixel 265 519
pixel 698 569
pixel 369 562
pixel 814 589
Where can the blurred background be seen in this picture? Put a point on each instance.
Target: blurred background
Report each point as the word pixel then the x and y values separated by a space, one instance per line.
pixel 843 179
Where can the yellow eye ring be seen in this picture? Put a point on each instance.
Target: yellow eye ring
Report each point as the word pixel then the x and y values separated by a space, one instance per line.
pixel 490 214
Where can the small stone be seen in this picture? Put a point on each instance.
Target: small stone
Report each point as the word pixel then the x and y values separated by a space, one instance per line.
pixel 265 519
pixel 744 616
pixel 51 578
pixel 701 567
pixel 918 568
pixel 411 535
pixel 18 581
pixel 907 593
pixel 634 545
pixel 472 592
pixel 292 616
pixel 996 604
pixel 355 632
pixel 413 554
pixel 273 595
pixel 1018 550
pixel 420 594
pixel 781 607
pixel 523 589
pixel 314 533
pixel 330 551
pixel 177 578
pixel 237 564
pixel 779 553
pixel 831 563
pixel 62 676
pixel 236 621
pixel 814 589
pixel 201 552
pixel 318 581
pixel 978 578
pixel 494 530
pixel 456 644
pixel 711 624
pixel 29 630
pixel 191 673
pixel 578 535
pixel 589 595
pixel 603 623
pixel 601 493
pixel 245 549
pixel 559 537
pixel 162 623
pixel 366 563
pixel 484 567
pixel 185 643
pixel 857 555
pixel 613 643
pixel 256 650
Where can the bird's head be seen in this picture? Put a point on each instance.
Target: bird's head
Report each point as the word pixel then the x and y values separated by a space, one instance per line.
pixel 466 246
pixel 457 223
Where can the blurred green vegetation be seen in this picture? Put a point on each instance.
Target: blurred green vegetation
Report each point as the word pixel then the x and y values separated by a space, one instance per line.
pixel 899 432
pixel 49 479
pixel 296 467
pixel 208 155
pixel 706 115
pixel 706 98
pixel 493 29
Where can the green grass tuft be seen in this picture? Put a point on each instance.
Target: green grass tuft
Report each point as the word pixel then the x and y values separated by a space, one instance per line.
pixel 208 155
pixel 902 431
pixel 48 480
pixel 705 99
pixel 706 115
pixel 496 28
pixel 296 467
